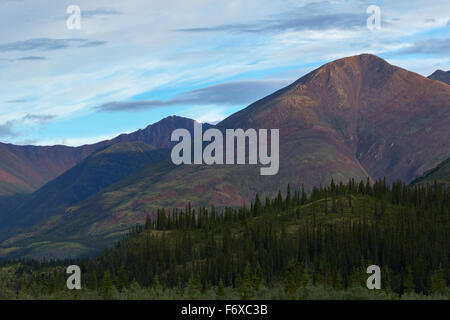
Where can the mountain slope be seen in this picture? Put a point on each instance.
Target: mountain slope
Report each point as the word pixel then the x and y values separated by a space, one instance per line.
pixel 443 76
pixel 98 171
pixel 440 175
pixel 24 169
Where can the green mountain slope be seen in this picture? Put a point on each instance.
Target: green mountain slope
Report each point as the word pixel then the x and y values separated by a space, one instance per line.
pixel 440 175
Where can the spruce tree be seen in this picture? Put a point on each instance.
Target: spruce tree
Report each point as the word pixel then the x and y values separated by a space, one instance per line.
pixel 107 289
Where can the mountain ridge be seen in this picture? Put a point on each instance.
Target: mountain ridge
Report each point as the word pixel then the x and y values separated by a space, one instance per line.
pixel 24 169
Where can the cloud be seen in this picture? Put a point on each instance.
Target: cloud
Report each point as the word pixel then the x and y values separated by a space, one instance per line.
pixel 31 58
pixel 46 44
pixel 18 100
pixel 39 118
pixel 92 44
pixel 227 94
pixel 433 46
pixel 291 23
pixel 6 130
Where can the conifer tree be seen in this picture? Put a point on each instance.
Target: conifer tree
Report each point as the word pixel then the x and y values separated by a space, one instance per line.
pixel 220 290
pixel 107 289
pixel 122 281
pixel 409 282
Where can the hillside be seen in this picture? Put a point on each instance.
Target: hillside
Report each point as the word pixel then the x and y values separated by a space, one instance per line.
pixel 440 175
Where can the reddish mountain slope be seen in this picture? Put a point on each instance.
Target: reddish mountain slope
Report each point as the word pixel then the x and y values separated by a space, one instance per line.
pixel 23 169
pixel 396 123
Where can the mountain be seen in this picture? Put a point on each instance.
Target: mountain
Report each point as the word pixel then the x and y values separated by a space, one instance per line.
pixel 119 158
pixel 440 175
pixel 98 171
pixel 358 117
pixel 24 169
pixel 443 76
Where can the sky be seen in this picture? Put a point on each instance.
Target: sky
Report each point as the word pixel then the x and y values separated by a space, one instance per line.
pixel 132 63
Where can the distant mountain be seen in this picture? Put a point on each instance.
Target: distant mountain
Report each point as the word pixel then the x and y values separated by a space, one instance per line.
pixel 357 117
pixel 24 169
pixel 441 75
pixel 440 175
pixel 118 158
pixel 96 172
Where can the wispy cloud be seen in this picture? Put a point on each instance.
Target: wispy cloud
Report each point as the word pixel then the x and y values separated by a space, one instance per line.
pixel 18 100
pixel 46 44
pixel 92 44
pixel 227 94
pixel 305 22
pixel 31 58
pixel 432 46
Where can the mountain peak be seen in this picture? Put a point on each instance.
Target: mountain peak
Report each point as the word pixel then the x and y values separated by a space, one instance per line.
pixel 359 59
pixel 158 134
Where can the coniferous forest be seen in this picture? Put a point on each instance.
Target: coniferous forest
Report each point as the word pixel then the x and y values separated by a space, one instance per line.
pixel 295 246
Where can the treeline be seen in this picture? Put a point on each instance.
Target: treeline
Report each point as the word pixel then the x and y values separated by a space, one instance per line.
pixel 326 239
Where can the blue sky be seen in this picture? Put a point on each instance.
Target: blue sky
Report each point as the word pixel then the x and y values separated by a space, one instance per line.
pixel 135 62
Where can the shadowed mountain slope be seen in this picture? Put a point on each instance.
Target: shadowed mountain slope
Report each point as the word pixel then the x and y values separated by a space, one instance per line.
pixel 443 76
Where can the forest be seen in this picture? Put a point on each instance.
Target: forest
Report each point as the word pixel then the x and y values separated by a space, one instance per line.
pixel 298 245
